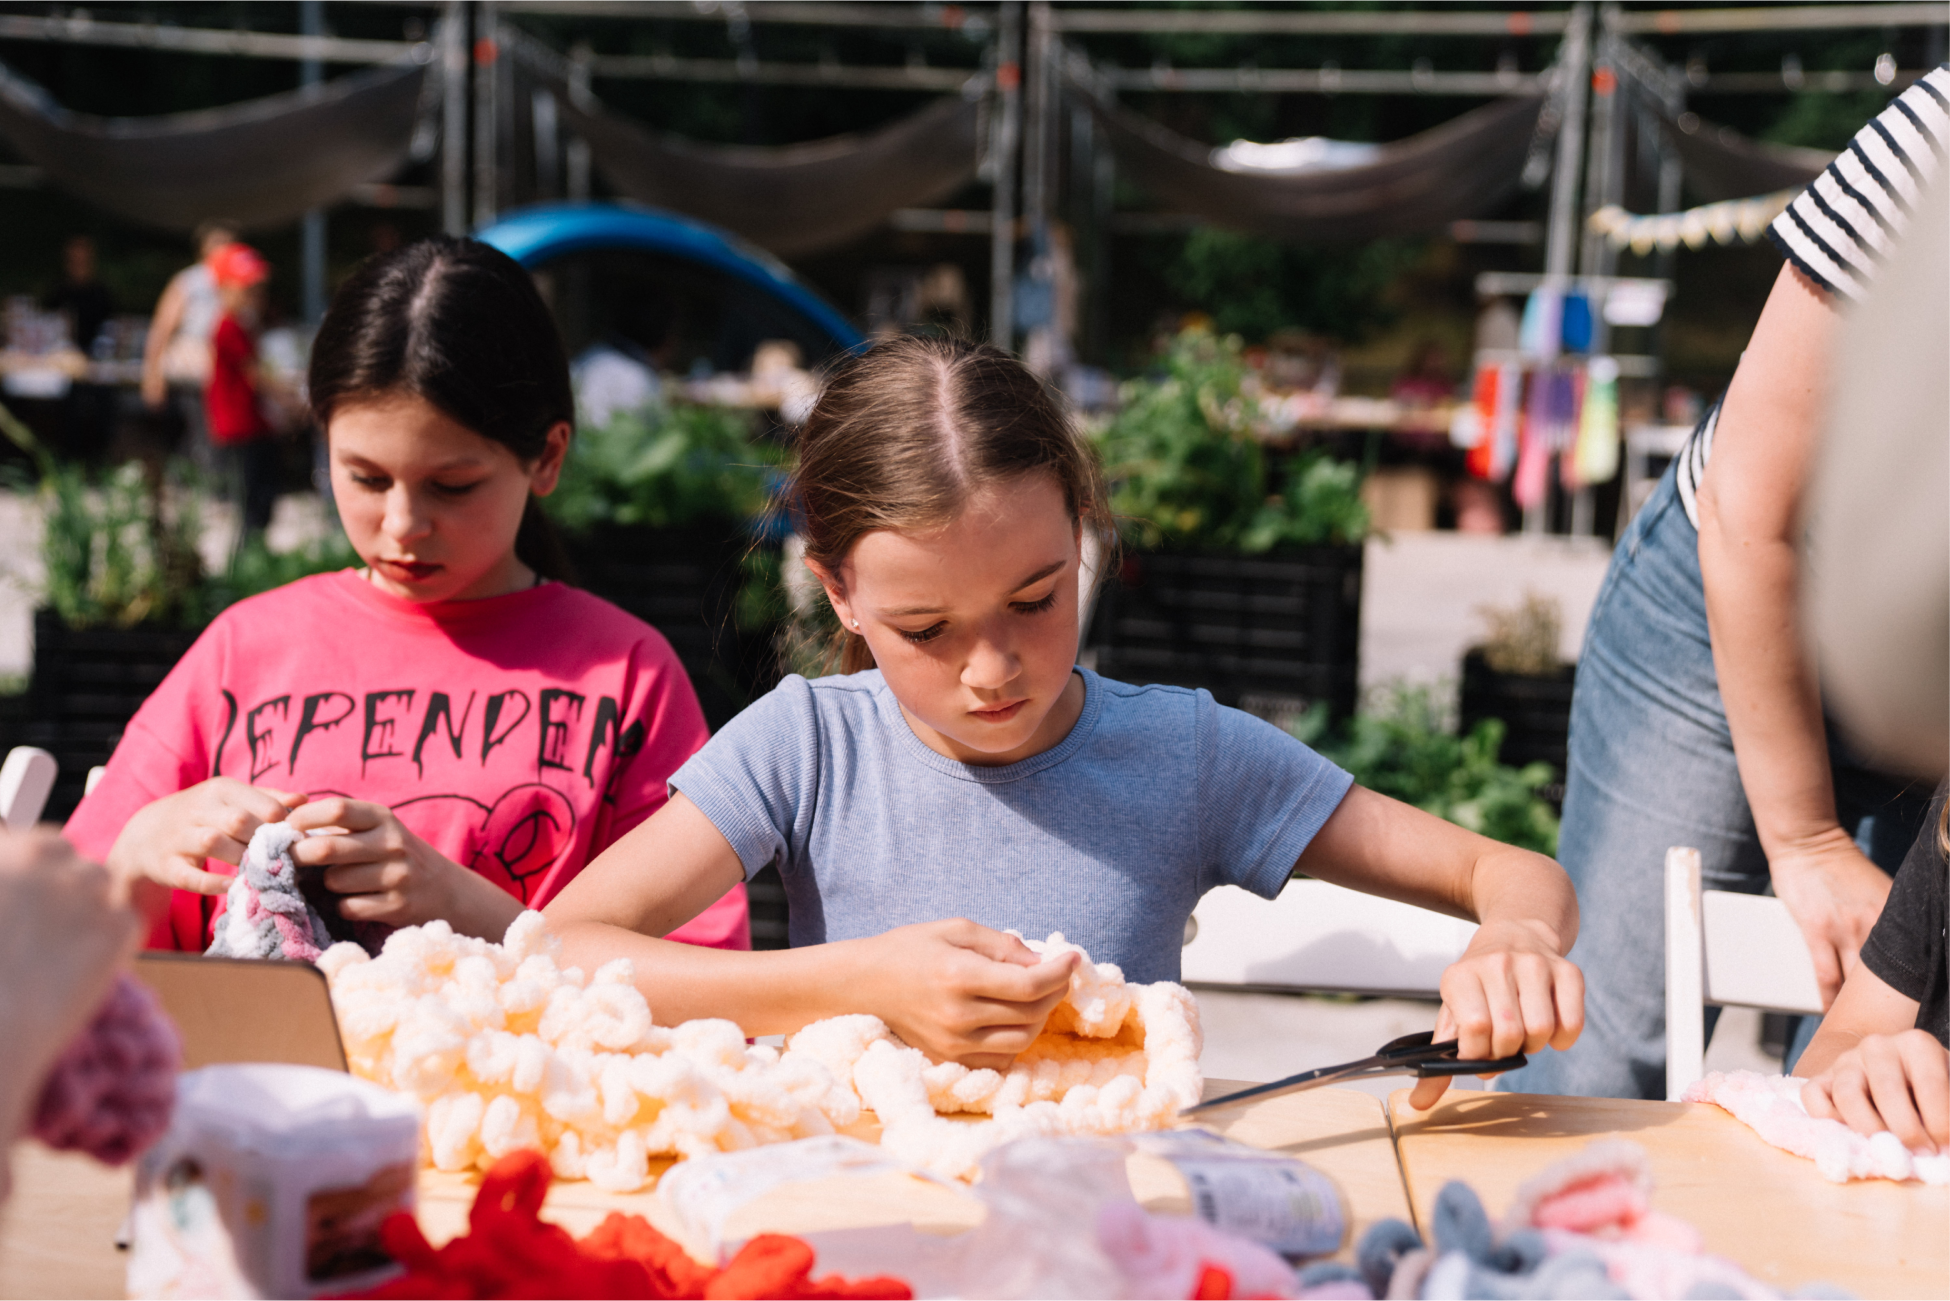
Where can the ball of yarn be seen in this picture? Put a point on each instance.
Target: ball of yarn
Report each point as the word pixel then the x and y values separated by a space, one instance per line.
pixel 112 1092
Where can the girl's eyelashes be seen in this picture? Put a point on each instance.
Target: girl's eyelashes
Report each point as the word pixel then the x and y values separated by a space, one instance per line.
pixel 1037 606
pixel 455 489
pixel 928 633
pixel 380 483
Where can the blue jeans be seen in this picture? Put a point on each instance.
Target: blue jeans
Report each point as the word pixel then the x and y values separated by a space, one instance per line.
pixel 1652 766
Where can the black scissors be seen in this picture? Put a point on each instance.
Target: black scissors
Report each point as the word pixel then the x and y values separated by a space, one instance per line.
pixel 1412 1054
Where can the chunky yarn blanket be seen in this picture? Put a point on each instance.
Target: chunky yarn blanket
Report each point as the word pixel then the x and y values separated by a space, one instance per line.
pixel 267 915
pixel 1770 1105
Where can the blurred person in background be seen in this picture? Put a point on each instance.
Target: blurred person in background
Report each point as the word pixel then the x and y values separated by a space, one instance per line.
pixel 176 356
pixel 88 414
pixel 618 373
pixel 236 399
pixel 1698 718
pixel 1427 379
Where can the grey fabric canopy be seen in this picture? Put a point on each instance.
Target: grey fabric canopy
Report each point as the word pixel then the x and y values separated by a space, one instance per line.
pixel 260 163
pixel 795 199
pixel 1720 163
pixel 1460 169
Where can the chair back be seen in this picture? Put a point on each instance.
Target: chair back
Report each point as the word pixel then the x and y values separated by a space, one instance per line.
pixel 1320 937
pixel 26 780
pixel 1730 950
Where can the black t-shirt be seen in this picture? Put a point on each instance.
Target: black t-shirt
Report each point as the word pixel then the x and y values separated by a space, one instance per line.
pixel 1907 947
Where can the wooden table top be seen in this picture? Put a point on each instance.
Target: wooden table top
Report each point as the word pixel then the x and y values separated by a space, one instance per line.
pixel 1763 1208
pixel 57 1239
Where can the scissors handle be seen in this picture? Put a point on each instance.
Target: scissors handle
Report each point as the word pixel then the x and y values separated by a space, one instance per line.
pixel 1421 1056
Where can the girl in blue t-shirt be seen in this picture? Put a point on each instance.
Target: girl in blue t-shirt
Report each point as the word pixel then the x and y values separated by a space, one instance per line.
pixel 963 775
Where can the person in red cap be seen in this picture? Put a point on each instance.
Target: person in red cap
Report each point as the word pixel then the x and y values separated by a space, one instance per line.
pixel 233 402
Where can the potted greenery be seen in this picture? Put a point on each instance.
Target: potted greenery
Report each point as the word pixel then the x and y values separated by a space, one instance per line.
pixel 658 508
pixel 1517 677
pixel 1236 576
pixel 124 594
pixel 1399 746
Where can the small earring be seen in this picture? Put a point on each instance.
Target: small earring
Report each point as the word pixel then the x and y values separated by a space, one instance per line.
pixel 856 625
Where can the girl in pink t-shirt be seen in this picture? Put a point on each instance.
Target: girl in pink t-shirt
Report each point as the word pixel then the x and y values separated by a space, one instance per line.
pixel 466 732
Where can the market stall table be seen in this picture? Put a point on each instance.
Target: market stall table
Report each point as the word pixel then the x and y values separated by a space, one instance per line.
pixel 58 1238
pixel 1766 1210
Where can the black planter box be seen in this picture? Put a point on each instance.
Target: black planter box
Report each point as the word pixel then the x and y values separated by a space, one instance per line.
pixel 1274 630
pixel 87 685
pixel 1536 711
pixel 684 583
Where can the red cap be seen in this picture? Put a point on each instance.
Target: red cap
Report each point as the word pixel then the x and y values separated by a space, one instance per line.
pixel 239 264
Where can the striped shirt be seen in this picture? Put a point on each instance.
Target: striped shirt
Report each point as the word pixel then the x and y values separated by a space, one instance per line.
pixel 1838 231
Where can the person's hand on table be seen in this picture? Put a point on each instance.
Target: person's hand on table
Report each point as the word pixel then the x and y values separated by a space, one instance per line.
pixel 167 842
pixel 1898 1082
pixel 961 992
pixel 1835 894
pixel 1511 991
pixel 384 873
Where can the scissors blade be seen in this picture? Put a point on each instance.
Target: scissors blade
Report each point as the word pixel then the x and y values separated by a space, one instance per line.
pixel 1313 1079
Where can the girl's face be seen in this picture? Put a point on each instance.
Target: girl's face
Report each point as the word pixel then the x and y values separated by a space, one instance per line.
pixel 975 624
pixel 430 505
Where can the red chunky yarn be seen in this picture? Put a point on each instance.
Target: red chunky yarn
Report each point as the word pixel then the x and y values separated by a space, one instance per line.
pixel 112 1092
pixel 510 1251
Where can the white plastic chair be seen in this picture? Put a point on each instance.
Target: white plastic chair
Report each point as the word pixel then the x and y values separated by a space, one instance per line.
pixel 1731 950
pixel 26 780
pixel 1321 937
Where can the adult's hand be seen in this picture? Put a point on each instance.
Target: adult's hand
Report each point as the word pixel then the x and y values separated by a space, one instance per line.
pixel 385 873
pixel 1898 1082
pixel 962 992
pixel 63 933
pixel 167 842
pixel 1835 894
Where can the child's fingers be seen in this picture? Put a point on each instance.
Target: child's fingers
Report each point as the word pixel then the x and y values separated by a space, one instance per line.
pixel 1848 1087
pixel 1009 986
pixel 1815 1100
pixel 1928 1066
pixel 364 878
pixel 1567 986
pixel 1888 1089
pixel 1537 992
pixel 290 799
pixel 1426 1092
pixel 336 850
pixel 337 811
pixel 181 874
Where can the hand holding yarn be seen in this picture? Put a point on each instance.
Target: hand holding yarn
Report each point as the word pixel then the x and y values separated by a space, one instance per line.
pixel 1894 1082
pixel 381 872
pixel 168 841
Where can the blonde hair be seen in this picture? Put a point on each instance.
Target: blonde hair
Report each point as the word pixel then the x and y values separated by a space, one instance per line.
pixel 903 436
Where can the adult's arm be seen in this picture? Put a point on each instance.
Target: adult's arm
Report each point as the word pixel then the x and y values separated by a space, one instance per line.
pixel 956 990
pixel 1513 989
pixel 162 328
pixel 1749 531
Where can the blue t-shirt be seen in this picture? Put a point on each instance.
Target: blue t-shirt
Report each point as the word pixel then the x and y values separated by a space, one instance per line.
pixel 1157 795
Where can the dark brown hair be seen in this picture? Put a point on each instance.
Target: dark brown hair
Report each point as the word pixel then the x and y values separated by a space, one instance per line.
pixel 460 324
pixel 903 436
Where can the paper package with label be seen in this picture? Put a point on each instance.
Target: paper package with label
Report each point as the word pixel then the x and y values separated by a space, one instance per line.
pixel 272 1181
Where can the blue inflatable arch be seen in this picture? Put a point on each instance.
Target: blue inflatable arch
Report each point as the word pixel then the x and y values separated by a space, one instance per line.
pixel 534 236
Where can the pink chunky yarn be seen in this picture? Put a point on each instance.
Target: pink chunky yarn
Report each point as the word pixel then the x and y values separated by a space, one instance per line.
pixel 112 1092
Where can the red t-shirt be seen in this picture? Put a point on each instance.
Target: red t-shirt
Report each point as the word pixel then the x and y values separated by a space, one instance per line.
pixel 519 735
pixel 230 398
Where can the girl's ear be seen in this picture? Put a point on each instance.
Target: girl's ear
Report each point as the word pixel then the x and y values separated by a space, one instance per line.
pixel 835 593
pixel 548 466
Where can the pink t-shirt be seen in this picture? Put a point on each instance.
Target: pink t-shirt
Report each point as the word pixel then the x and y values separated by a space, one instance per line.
pixel 519 735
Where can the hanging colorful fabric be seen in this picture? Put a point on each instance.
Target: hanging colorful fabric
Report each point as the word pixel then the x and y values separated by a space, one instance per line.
pixel 1575 326
pixel 1532 479
pixel 1502 438
pixel 1541 331
pixel 1596 457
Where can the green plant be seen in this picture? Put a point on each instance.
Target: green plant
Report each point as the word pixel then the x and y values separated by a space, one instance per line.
pixel 255 568
pixel 1187 470
pixel 1400 747
pixel 1254 286
pixel 1523 639
pixel 118 548
pixel 665 467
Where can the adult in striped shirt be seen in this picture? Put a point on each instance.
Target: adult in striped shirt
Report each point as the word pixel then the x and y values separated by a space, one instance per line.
pixel 1698 720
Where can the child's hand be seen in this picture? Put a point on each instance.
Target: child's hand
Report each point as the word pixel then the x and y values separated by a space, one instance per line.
pixel 1898 1082
pixel 167 842
pixel 961 992
pixel 1511 991
pixel 385 873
